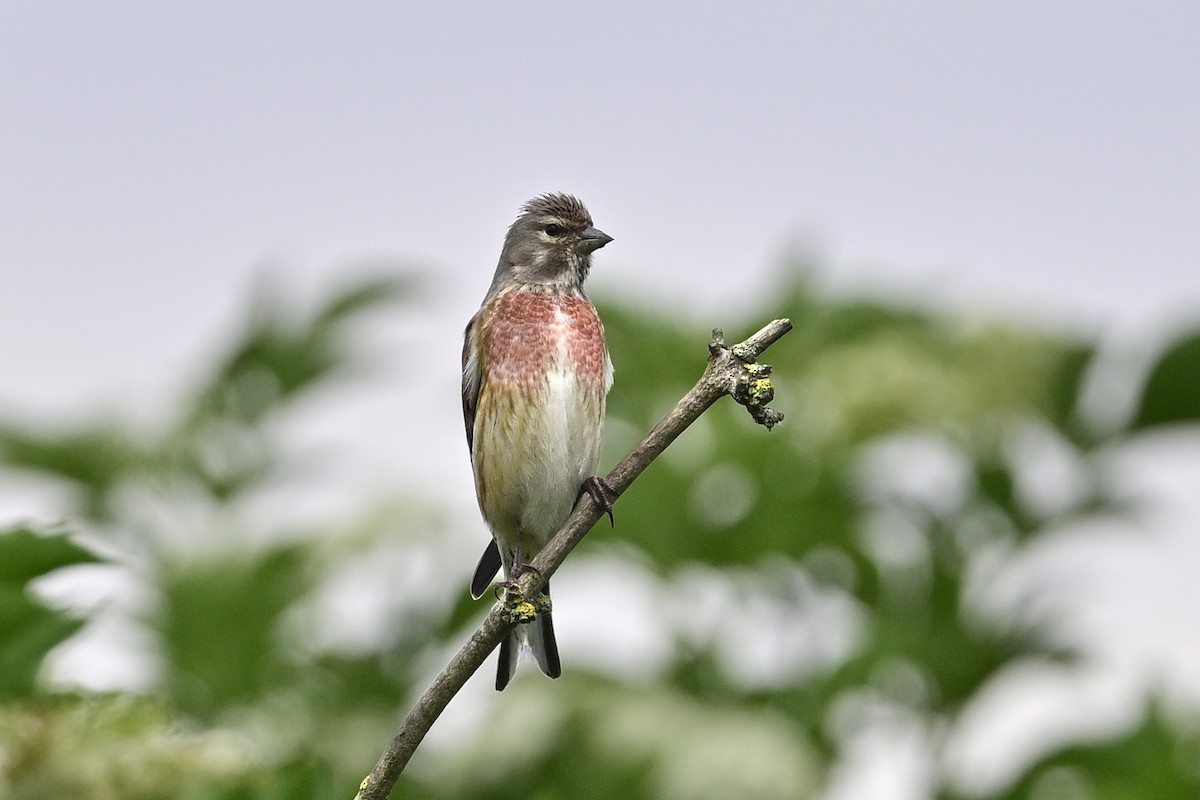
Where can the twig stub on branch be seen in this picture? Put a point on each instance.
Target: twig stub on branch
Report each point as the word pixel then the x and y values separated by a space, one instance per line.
pixel 750 385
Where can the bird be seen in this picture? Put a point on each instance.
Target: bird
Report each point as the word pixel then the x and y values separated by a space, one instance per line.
pixel 535 375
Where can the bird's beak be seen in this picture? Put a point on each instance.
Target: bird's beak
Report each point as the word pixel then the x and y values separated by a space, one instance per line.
pixel 593 239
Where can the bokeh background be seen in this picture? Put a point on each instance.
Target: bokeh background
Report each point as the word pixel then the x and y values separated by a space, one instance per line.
pixel 238 246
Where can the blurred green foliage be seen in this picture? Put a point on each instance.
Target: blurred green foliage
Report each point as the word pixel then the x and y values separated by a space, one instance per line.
pixel 28 628
pixel 821 513
pixel 1172 393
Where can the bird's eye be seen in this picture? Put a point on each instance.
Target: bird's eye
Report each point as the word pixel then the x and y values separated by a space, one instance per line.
pixel 554 229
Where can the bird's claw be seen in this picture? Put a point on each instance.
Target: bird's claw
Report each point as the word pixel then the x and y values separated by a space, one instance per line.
pixel 602 495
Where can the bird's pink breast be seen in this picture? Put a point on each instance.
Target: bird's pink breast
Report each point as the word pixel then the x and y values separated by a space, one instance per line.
pixel 528 333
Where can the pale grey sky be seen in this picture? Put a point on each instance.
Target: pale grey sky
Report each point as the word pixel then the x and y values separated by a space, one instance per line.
pixel 154 154
pixel 1027 156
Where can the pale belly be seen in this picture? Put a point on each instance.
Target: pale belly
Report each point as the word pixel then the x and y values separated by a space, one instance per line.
pixel 532 457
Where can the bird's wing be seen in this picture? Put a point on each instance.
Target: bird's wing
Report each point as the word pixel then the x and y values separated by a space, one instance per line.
pixel 471 379
pixel 489 562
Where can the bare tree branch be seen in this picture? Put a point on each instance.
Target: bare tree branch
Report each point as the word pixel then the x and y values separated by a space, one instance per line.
pixel 732 371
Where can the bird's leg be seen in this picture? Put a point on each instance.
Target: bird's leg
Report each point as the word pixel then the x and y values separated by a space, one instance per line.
pixel 602 495
pixel 519 567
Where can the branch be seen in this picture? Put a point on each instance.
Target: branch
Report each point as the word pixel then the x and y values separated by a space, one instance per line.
pixel 731 371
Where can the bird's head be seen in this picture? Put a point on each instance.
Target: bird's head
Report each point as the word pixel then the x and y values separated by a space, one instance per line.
pixel 550 244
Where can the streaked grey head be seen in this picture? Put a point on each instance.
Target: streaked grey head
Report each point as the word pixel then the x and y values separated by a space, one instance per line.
pixel 550 244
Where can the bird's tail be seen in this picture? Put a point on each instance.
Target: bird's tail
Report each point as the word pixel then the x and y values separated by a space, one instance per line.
pixel 538 638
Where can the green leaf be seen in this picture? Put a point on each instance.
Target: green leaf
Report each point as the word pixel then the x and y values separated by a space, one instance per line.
pixel 360 298
pixel 25 555
pixel 28 629
pixel 96 457
pixel 1172 391
pixel 1064 385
